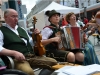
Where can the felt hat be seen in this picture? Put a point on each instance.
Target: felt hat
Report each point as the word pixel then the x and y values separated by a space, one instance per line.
pixel 51 13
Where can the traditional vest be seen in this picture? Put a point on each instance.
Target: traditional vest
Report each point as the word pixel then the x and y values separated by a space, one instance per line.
pixel 14 42
pixel 53 45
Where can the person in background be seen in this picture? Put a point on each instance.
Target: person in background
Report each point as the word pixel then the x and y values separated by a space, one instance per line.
pixel 89 52
pixel 51 41
pixel 64 22
pixel 85 20
pixel 97 25
pixel 79 21
pixel 15 42
pixel 95 22
pixel 30 32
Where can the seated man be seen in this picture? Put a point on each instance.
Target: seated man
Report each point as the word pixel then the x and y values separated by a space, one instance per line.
pixel 15 42
pixel 51 41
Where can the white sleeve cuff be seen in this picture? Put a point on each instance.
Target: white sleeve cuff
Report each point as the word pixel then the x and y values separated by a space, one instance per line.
pixel 1 48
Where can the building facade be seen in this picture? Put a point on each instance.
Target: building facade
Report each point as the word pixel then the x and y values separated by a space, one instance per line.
pixel 41 4
pixel 5 2
pixel 14 4
pixel 77 3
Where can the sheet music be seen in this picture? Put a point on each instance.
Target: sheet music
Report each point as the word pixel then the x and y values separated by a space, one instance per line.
pixel 79 70
pixel 95 66
pixel 61 73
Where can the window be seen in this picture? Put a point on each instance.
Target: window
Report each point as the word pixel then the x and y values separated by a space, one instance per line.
pixel 6 4
pixel 63 2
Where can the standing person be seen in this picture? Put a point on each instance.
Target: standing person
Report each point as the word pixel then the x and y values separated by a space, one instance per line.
pixel 89 52
pixel 85 20
pixel 15 42
pixel 64 22
pixel 51 41
pixel 97 19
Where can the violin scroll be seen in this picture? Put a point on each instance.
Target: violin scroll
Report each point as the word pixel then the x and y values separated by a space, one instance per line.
pixel 34 20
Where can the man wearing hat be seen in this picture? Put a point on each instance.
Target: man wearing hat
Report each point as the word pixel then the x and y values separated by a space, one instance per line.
pixel 51 41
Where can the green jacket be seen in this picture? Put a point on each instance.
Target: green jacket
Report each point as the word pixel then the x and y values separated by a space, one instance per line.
pixel 14 42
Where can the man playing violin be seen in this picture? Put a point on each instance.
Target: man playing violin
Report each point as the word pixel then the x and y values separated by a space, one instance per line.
pixel 51 41
pixel 94 24
pixel 15 42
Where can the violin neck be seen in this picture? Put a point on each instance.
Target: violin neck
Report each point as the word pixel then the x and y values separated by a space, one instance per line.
pixel 33 26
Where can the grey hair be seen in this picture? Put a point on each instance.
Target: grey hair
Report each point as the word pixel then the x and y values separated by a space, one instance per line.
pixel 6 12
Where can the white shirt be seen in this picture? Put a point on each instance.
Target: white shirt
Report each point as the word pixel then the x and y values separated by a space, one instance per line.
pixel 46 33
pixel 80 22
pixel 16 32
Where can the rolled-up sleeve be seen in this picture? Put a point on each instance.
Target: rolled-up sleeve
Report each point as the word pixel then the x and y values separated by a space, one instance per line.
pixel 46 33
pixel 1 41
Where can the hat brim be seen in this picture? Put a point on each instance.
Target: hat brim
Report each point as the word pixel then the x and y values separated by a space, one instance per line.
pixel 54 14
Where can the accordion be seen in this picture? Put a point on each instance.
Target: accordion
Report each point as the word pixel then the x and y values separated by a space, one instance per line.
pixel 74 38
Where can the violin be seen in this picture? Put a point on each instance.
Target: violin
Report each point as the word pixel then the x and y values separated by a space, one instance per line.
pixel 88 26
pixel 38 48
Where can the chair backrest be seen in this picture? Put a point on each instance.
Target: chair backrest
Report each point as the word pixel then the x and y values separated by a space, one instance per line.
pixel 12 72
pixel 1 62
pixel 7 61
pixel 2 65
pixel 4 70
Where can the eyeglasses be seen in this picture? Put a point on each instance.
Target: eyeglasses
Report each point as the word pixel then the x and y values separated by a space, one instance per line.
pixel 14 16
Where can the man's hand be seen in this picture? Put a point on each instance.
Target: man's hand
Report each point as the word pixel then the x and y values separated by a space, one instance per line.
pixel 56 39
pixel 91 24
pixel 18 56
pixel 36 31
